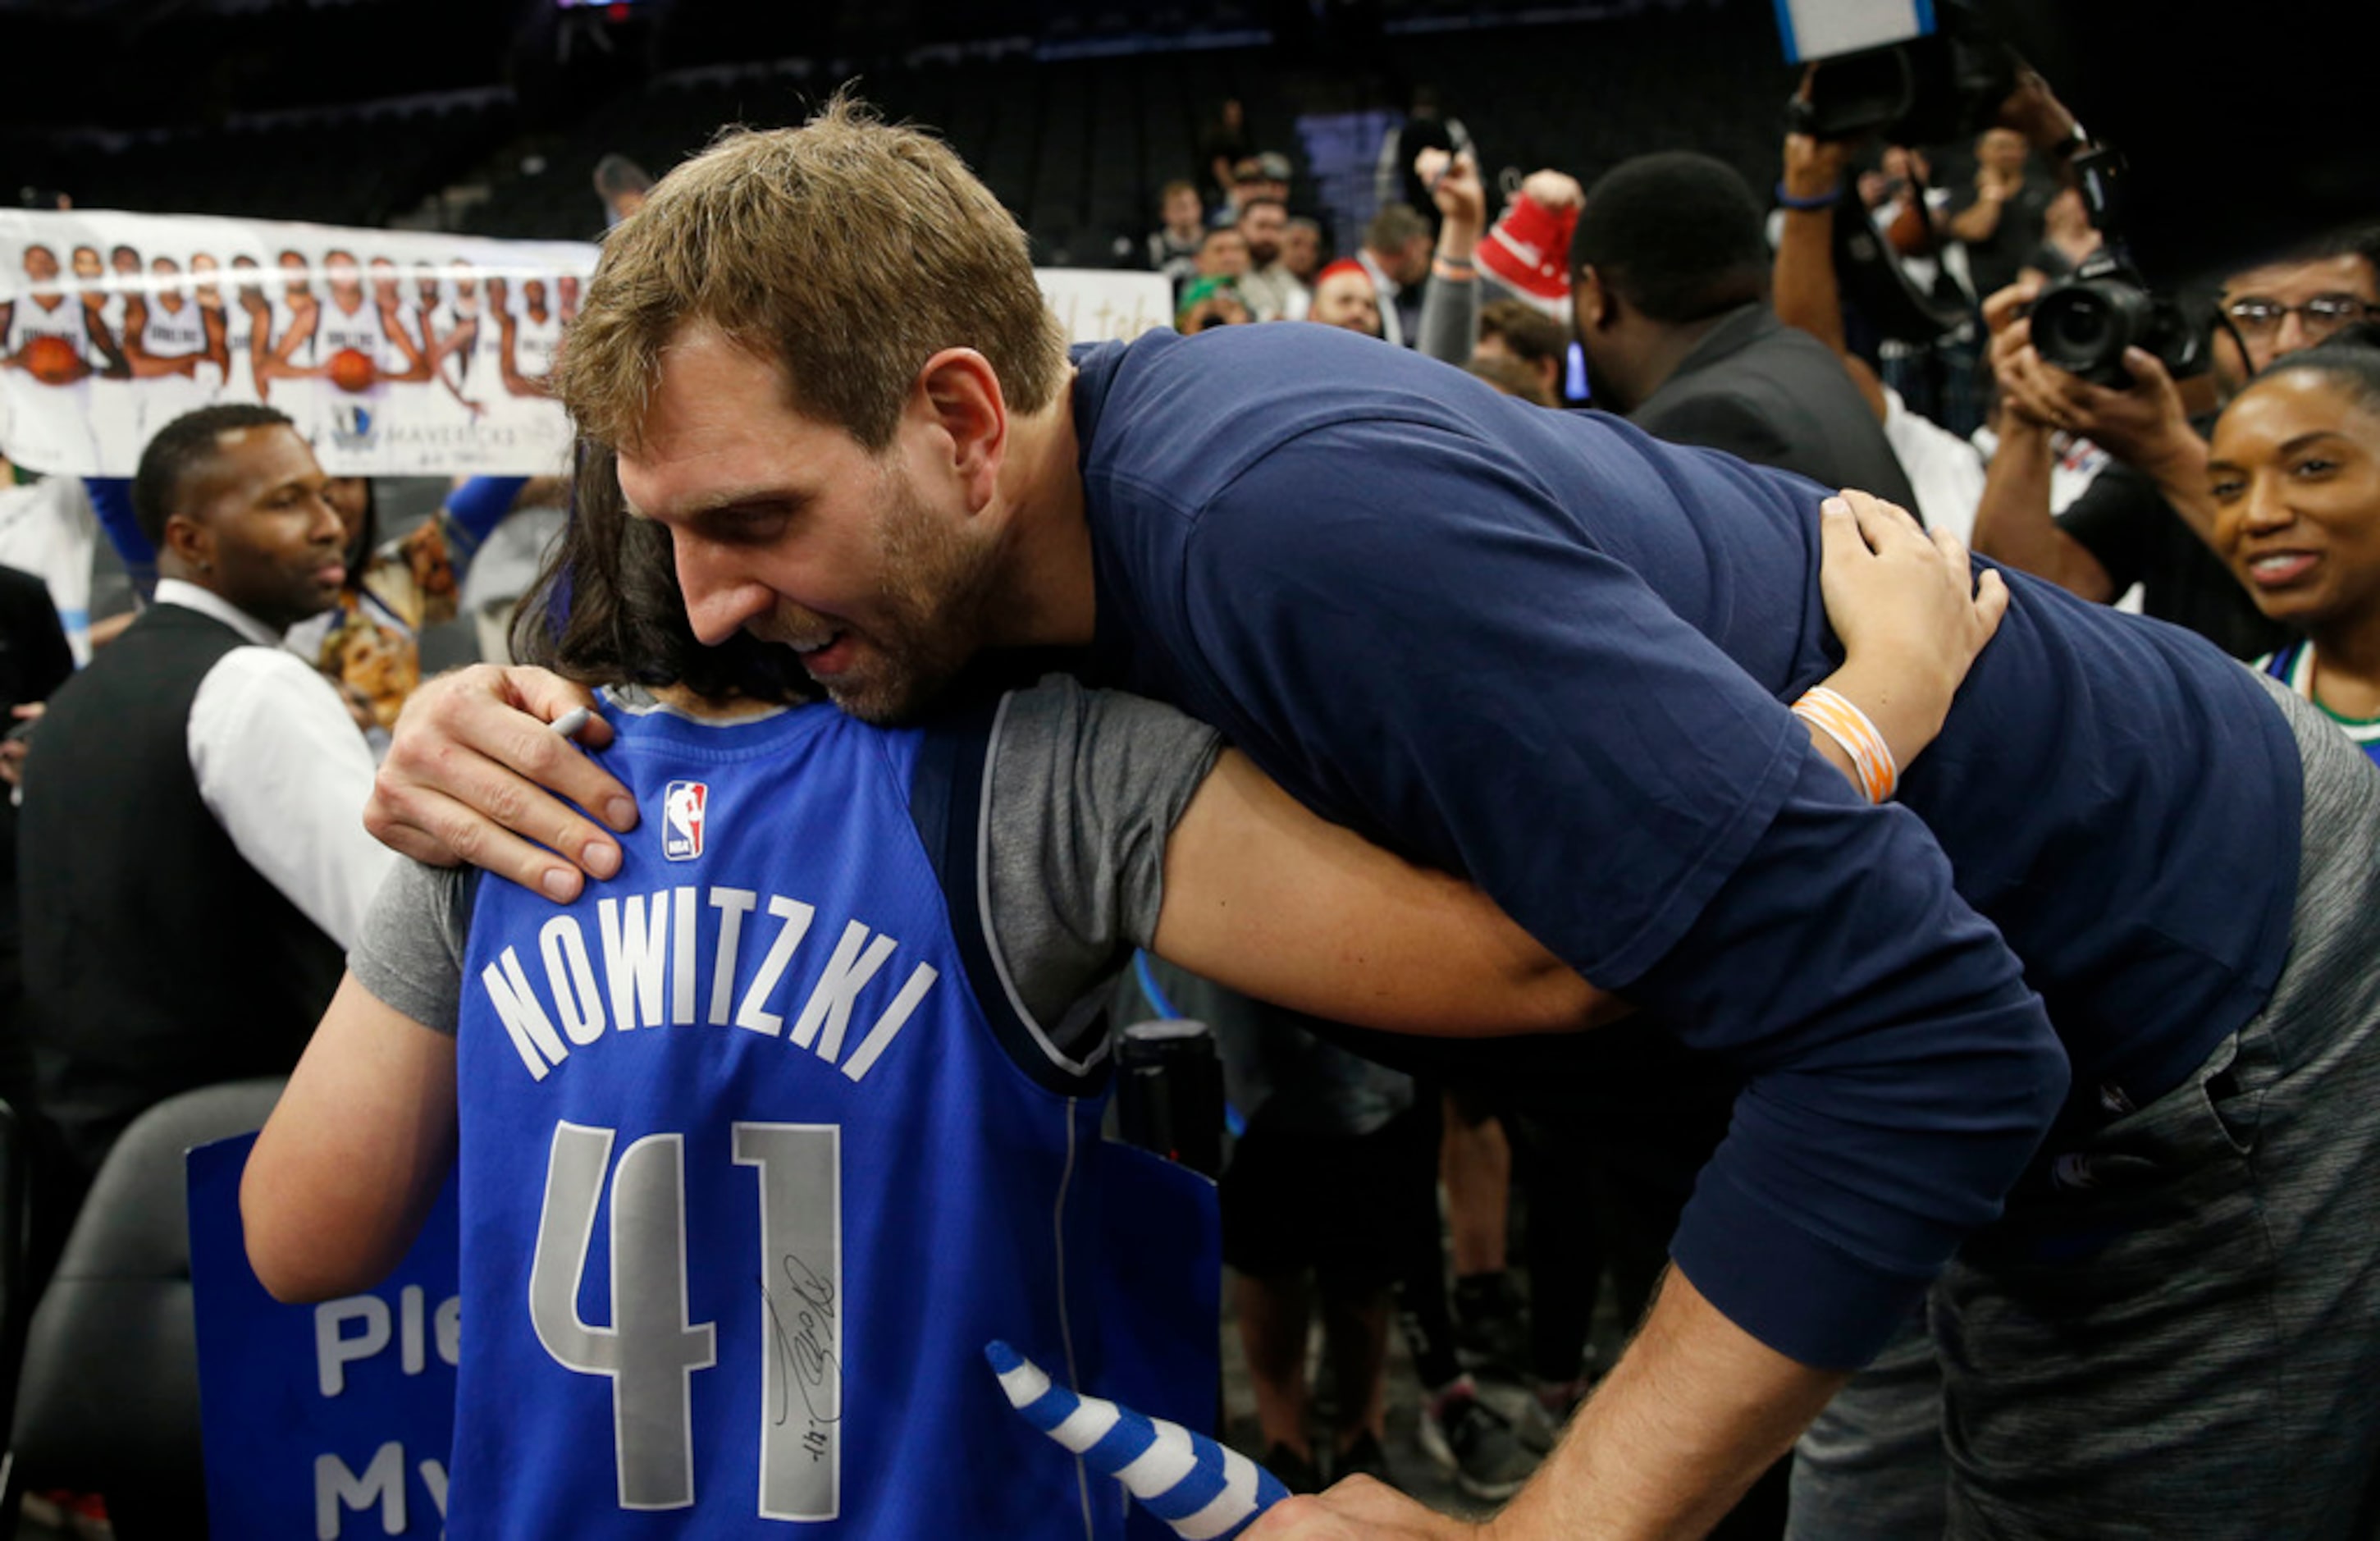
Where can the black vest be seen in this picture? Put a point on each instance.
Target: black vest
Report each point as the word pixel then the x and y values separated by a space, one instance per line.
pixel 157 960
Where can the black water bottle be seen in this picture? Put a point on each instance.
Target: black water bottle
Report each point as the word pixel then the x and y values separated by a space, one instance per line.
pixel 1170 1092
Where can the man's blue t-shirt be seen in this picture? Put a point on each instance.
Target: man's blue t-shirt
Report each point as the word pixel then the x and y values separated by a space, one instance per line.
pixel 1548 651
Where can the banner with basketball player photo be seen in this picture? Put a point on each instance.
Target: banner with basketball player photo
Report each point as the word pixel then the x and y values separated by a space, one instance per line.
pixel 394 352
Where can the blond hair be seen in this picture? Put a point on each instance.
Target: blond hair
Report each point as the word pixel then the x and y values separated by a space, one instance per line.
pixel 848 250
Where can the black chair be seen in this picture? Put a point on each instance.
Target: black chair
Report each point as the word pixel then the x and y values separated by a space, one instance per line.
pixel 109 1399
pixel 15 1307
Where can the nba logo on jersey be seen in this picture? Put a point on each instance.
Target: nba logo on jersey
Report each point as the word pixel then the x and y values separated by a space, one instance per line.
pixel 681 819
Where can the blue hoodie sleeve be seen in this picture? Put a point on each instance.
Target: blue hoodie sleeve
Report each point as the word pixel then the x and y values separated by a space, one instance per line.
pixel 473 510
pixel 111 500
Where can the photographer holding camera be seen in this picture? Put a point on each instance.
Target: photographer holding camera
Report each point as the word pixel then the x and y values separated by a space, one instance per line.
pixel 2146 520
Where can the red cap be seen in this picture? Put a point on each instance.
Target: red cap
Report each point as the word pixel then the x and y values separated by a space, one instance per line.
pixel 1528 252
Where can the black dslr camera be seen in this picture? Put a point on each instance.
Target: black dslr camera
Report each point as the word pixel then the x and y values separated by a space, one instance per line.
pixel 2084 322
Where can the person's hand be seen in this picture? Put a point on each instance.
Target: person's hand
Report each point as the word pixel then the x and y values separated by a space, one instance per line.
pixel 13 750
pixel 2146 424
pixel 2034 110
pixel 1813 168
pixel 1554 191
pixel 2007 318
pixel 466 776
pixel 1359 1509
pixel 1912 615
pixel 1454 182
pixel 1994 186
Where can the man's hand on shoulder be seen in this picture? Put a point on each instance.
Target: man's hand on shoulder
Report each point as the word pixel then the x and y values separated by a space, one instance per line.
pixel 467 776
pixel 1357 1509
pixel 1911 614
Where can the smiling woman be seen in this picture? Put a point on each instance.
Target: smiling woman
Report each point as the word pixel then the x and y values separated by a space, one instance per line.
pixel 2295 474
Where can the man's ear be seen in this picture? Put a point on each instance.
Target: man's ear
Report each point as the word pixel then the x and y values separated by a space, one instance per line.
pixel 1594 307
pixel 958 394
pixel 190 542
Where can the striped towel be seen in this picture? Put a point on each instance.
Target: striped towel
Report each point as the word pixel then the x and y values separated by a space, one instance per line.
pixel 1197 1485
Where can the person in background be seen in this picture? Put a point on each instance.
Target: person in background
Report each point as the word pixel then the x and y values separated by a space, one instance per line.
pixel 622 183
pixel 1396 252
pixel 1522 260
pixel 1998 216
pixel 1221 146
pixel 2068 238
pixel 2294 473
pixel 1669 282
pixel 1270 289
pixel 191 851
pixel 1211 302
pixel 1224 254
pixel 1301 249
pixel 1263 175
pixel 1516 330
pixel 369 643
pixel 1946 469
pixel 1509 376
pixel 1397 179
pixel 2147 520
pixel 1344 296
pixel 1174 244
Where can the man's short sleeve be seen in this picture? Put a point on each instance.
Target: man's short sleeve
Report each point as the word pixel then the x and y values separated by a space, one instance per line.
pixel 410 954
pixel 1451 665
pixel 1086 785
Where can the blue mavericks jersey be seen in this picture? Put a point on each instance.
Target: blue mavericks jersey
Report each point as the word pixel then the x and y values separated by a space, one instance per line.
pixel 749 1179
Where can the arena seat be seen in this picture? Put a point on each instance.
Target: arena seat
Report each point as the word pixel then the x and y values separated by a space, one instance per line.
pixel 109 1400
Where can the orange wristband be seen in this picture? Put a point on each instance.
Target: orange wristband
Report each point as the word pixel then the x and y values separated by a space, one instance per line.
pixel 1849 726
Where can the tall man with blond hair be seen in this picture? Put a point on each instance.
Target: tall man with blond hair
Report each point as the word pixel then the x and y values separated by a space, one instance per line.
pixel 1552 654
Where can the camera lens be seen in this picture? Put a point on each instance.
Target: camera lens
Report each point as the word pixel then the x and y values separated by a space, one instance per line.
pixel 2085 325
pixel 2081 327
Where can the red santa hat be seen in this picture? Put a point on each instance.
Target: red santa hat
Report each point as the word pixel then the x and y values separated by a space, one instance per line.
pixel 1528 252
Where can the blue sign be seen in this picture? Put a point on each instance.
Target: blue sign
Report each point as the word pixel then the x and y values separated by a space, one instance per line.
pixel 329 1420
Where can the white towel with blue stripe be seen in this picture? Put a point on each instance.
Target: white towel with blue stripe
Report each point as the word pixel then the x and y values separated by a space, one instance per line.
pixel 1204 1489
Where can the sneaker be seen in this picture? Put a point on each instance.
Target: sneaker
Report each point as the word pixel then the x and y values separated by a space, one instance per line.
pixel 1297 1472
pixel 1491 1329
pixel 1363 1458
pixel 1546 1412
pixel 1474 1443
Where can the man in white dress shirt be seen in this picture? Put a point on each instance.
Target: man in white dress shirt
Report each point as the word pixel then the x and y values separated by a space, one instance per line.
pixel 193 862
